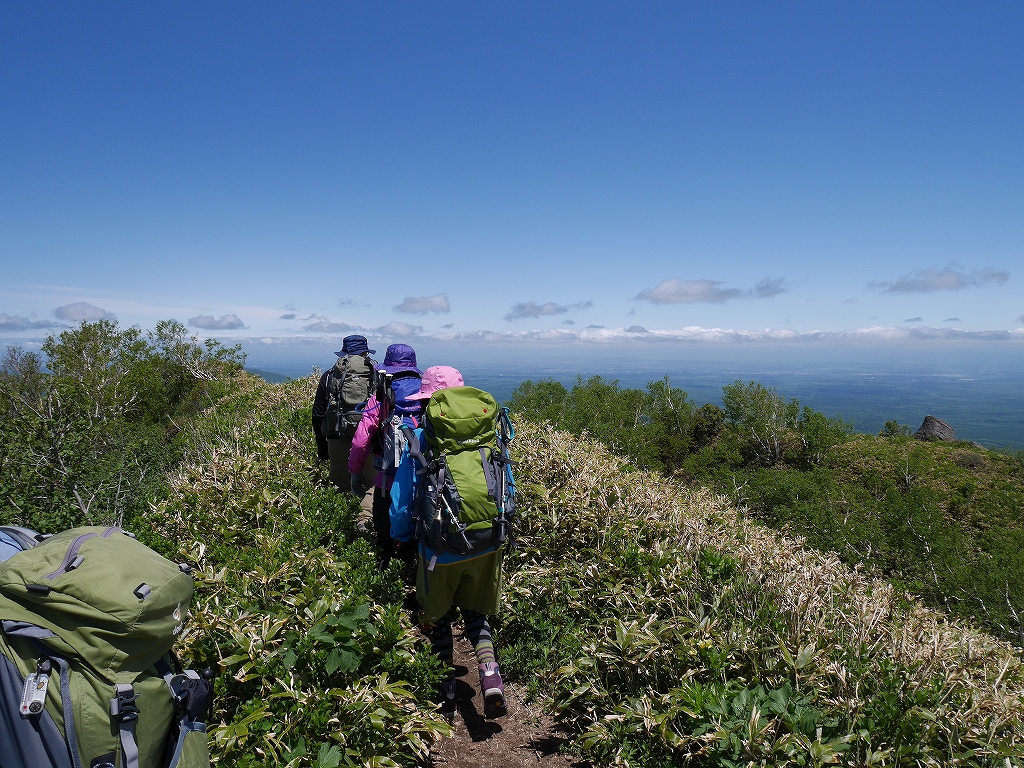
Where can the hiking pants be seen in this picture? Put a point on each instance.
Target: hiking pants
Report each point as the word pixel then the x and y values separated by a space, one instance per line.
pixel 339 449
pixel 387 547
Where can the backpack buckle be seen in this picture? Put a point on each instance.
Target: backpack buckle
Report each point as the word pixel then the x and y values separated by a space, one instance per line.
pixel 180 687
pixel 122 706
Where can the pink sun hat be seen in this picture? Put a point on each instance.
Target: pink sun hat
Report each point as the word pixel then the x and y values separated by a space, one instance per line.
pixel 437 377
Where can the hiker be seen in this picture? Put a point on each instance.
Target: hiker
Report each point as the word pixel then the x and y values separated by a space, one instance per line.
pixel 447 580
pixel 343 390
pixel 398 378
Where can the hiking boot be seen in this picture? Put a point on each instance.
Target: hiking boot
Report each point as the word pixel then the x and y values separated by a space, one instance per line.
pixel 449 703
pixel 493 690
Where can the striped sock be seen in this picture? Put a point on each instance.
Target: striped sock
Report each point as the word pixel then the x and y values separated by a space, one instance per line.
pixel 440 635
pixel 478 632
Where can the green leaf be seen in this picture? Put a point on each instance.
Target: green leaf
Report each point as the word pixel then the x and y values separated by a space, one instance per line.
pixel 329 756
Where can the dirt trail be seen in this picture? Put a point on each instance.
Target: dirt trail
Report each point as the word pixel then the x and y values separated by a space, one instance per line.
pixel 525 737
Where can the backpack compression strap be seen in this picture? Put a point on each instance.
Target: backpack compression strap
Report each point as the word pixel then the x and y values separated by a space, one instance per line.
pixel 126 714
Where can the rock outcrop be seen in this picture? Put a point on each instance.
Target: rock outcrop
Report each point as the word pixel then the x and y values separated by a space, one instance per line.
pixel 935 430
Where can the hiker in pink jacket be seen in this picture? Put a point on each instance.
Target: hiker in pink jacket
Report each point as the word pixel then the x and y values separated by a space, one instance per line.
pixel 398 378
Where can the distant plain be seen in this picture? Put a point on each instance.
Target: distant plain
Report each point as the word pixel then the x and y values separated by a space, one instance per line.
pixel 977 390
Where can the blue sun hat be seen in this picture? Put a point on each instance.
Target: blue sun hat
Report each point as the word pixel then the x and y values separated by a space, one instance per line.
pixel 400 358
pixel 355 345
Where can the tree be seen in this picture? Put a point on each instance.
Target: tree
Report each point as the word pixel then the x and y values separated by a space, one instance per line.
pixel 84 438
pixel 761 416
pixel 818 433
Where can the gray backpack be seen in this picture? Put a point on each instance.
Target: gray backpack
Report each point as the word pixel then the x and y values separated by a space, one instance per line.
pixel 350 384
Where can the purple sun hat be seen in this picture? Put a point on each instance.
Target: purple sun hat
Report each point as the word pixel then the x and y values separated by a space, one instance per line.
pixel 400 358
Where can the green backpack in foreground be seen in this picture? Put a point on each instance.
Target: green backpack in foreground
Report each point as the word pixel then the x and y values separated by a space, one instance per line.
pixel 466 502
pixel 87 621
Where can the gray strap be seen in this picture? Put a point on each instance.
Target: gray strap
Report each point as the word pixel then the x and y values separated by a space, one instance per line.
pixel 24 629
pixel 414 445
pixel 123 708
pixel 70 731
pixel 489 473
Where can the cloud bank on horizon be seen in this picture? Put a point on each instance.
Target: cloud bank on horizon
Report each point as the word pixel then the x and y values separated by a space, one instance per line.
pixel 322 329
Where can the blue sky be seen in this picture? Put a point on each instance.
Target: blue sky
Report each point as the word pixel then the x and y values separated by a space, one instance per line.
pixel 573 176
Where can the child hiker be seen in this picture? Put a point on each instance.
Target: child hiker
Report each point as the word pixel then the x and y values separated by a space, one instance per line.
pixel 461 543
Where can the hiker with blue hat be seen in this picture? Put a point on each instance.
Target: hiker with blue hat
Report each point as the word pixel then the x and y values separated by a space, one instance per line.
pixel 387 410
pixel 341 396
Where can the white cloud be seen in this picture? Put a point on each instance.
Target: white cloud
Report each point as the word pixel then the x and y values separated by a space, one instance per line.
pixel 211 323
pixel 676 291
pixel 397 328
pixel 81 310
pixel 769 288
pixel 288 316
pixel 597 336
pixel 534 309
pixel 422 305
pixel 19 323
pixel 699 334
pixel 323 325
pixel 914 320
pixel 946 279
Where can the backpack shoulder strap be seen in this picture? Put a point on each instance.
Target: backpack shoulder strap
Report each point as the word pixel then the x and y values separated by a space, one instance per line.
pixel 26 538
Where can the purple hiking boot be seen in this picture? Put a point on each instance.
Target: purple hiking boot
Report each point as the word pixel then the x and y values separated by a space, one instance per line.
pixel 493 690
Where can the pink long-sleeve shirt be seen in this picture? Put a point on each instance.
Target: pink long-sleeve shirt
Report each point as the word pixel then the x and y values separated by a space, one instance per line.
pixel 374 415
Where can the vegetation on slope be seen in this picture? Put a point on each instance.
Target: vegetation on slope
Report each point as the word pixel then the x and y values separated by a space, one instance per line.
pixel 320 664
pixel 940 519
pixel 672 630
pixel 89 426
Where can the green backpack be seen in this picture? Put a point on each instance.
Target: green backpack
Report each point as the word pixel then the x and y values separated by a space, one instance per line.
pixel 87 680
pixel 466 502
pixel 353 379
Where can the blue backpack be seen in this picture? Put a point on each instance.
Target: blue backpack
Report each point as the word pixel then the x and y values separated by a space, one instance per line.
pixel 14 539
pixel 393 394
